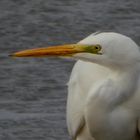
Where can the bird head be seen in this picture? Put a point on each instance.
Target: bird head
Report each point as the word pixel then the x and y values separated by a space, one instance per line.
pixel 117 50
pixel 107 48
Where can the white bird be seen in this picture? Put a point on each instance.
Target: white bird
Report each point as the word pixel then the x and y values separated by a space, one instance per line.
pixel 104 87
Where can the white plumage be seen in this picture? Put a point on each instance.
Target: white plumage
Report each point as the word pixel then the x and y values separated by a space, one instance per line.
pixel 104 87
pixel 104 98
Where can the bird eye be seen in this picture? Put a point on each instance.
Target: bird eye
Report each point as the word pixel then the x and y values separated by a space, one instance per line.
pixel 93 48
pixel 98 47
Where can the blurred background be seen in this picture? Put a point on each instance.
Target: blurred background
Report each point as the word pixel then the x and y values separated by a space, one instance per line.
pixel 33 91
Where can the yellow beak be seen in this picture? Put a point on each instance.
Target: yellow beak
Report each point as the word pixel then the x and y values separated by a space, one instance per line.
pixel 63 50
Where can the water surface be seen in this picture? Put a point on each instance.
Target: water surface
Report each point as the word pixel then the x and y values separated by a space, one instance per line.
pixel 33 92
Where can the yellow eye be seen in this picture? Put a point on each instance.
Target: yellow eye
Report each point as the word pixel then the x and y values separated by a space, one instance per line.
pixel 98 47
pixel 93 48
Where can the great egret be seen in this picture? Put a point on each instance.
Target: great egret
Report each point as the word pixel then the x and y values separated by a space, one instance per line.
pixel 104 87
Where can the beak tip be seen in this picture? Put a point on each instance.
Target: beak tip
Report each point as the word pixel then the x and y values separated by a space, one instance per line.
pixel 10 55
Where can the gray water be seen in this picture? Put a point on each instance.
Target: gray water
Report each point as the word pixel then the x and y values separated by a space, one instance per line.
pixel 33 91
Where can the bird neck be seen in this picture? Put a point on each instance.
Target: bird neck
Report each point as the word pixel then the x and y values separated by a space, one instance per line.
pixel 124 84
